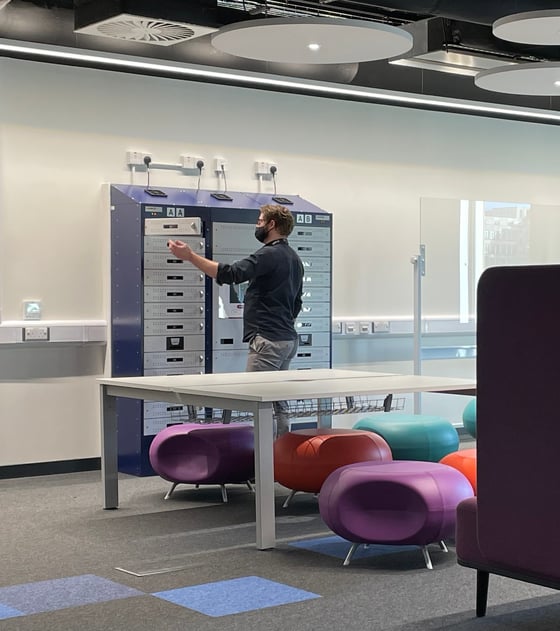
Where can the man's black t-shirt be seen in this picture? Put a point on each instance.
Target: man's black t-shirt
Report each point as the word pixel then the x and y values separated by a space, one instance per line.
pixel 273 297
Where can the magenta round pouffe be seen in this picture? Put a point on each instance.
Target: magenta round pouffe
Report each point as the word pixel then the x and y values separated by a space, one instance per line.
pixel 192 453
pixel 400 502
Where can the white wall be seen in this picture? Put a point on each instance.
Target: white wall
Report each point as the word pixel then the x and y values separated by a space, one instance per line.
pixel 64 132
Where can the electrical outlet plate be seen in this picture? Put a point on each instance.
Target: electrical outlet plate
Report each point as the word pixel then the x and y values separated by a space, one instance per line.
pixel 220 164
pixel 136 158
pixel 190 162
pixel 365 328
pixel 262 167
pixel 36 334
pixel 382 326
pixel 351 328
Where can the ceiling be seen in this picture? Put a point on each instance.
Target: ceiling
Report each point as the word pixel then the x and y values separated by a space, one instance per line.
pixel 440 28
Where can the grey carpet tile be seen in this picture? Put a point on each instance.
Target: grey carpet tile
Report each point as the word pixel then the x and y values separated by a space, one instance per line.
pixel 54 527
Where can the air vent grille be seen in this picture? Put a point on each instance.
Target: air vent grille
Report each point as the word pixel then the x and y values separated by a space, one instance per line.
pixel 132 28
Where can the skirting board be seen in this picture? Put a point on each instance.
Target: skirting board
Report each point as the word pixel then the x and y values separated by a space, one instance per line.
pixel 49 468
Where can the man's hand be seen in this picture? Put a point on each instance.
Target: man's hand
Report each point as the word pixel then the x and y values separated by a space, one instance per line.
pixel 180 249
pixel 184 252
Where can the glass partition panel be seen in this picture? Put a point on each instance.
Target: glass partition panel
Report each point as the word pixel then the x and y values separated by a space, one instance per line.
pixel 462 238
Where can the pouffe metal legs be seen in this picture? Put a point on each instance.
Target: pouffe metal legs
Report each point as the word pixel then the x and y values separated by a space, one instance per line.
pixel 173 487
pixel 425 553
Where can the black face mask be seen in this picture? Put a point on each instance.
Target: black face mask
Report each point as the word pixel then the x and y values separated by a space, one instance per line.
pixel 261 233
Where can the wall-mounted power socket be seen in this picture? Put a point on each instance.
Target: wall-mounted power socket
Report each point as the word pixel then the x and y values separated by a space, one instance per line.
pixel 191 162
pixel 351 328
pixel 36 334
pixel 136 158
pixel 220 165
pixel 381 326
pixel 365 328
pixel 262 167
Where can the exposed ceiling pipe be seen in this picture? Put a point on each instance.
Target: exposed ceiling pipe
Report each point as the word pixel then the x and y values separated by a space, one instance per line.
pixel 477 11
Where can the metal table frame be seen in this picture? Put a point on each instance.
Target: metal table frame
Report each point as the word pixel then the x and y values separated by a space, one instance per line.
pixel 253 393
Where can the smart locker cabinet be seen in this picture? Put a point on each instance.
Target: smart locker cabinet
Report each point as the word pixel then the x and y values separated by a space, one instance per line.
pixel 168 318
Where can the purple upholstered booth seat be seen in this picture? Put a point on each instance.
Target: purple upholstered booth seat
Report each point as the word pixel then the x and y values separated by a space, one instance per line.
pixel 512 527
pixel 401 502
pixel 191 453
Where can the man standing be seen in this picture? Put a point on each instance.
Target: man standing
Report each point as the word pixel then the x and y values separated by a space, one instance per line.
pixel 272 299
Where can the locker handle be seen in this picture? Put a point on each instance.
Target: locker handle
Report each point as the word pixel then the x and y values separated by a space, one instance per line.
pixel 171 225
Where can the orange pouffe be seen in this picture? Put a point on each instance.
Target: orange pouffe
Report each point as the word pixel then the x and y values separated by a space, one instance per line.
pixel 464 461
pixel 304 458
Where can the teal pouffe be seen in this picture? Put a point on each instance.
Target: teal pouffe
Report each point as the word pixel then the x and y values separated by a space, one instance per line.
pixel 469 418
pixel 413 436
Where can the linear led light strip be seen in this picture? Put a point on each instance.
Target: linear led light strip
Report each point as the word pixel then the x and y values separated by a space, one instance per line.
pixel 248 79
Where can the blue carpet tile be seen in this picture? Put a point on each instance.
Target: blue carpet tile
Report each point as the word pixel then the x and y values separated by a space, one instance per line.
pixel 338 547
pixel 60 593
pixel 9 612
pixel 224 598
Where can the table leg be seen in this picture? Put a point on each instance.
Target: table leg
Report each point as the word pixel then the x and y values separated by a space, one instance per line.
pixel 264 477
pixel 109 450
pixel 324 419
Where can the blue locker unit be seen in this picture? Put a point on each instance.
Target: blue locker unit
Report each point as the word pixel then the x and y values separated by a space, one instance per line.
pixel 168 318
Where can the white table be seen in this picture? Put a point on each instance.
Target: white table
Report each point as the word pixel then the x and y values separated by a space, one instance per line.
pixel 252 392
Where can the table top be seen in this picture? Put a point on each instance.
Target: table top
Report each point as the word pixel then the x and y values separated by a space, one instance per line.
pixel 293 384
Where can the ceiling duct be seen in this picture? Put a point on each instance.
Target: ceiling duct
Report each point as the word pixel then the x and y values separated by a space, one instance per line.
pixel 457 47
pixel 162 23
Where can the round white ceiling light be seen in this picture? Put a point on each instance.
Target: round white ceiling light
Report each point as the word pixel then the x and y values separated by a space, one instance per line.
pixel 531 27
pixel 530 79
pixel 312 40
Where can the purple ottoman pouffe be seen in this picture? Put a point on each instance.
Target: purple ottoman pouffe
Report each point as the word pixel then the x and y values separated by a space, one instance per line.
pixel 393 503
pixel 193 453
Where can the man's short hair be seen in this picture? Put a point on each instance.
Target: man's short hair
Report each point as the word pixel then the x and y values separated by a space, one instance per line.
pixel 282 217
